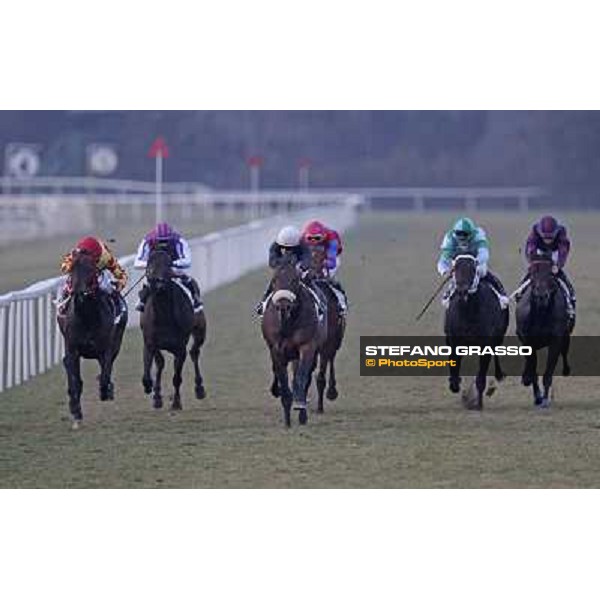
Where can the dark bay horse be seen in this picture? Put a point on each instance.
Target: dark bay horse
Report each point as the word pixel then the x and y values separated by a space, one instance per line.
pixel 294 333
pixel 167 323
pixel 89 330
pixel 474 318
pixel 543 322
pixel 336 327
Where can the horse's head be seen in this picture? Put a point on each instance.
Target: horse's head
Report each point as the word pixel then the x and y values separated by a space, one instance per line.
pixel 466 278
pixel 543 283
pixel 286 285
pixel 158 269
pixel 84 274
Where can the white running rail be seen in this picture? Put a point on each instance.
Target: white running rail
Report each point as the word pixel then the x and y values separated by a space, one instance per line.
pixel 31 343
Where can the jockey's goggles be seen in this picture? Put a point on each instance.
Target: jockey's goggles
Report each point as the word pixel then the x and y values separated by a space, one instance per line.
pixel 315 237
pixel 461 235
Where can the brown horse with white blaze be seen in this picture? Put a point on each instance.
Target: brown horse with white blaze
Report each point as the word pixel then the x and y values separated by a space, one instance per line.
pixel 294 332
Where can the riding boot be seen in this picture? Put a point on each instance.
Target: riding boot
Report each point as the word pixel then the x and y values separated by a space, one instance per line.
pixel 524 279
pixel 497 285
pixel 260 307
pixel 343 300
pixel 571 300
pixel 120 308
pixel 192 285
pixel 143 294
pixel 321 300
pixel 63 300
pixel 447 295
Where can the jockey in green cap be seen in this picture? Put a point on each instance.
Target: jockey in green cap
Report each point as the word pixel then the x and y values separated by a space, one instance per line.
pixel 466 237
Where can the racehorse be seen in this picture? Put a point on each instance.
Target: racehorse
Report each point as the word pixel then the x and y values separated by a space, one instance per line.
pixel 294 332
pixel 167 323
pixel 543 321
pixel 90 331
pixel 474 317
pixel 336 326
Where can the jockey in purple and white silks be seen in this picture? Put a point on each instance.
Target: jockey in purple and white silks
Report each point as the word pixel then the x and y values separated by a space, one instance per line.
pixel 164 237
pixel 549 238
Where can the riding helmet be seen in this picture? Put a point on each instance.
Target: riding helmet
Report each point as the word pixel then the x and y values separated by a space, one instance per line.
pixel 314 232
pixel 547 228
pixel 464 228
pixel 91 246
pixel 288 237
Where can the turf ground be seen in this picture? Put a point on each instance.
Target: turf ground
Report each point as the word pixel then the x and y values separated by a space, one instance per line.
pixel 381 432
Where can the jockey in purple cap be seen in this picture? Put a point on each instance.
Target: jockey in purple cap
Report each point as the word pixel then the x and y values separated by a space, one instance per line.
pixel 548 238
pixel 164 237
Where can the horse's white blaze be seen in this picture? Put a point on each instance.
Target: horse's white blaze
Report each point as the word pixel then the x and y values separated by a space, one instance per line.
pixel 283 295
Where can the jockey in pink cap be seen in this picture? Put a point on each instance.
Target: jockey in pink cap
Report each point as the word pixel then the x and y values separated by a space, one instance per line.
pixel 164 237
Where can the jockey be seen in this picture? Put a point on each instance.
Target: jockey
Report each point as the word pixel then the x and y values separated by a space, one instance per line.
pixel 288 241
pixel 467 238
pixel 317 234
pixel 164 237
pixel 549 238
pixel 112 278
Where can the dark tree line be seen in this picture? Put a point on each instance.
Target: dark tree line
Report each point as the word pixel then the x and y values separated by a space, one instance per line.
pixel 559 150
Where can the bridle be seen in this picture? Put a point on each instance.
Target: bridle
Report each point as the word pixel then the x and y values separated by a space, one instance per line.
pixel 476 278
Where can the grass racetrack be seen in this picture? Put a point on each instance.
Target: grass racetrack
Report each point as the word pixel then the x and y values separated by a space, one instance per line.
pixel 381 432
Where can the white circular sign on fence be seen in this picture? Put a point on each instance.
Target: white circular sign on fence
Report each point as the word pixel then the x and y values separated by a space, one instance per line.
pixel 22 162
pixel 102 159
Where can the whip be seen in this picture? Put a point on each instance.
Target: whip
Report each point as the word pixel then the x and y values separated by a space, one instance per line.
pixel 437 291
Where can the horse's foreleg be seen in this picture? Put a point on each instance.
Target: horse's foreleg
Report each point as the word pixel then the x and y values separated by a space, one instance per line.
pixel 481 379
pixel 105 385
pixel 321 380
pixel 281 373
pixel 303 375
pixel 565 356
pixel 195 357
pixel 454 378
pixel 147 376
pixel 530 377
pixel 332 392
pixel 177 379
pixel 159 360
pixel 498 372
pixel 553 353
pixel 71 362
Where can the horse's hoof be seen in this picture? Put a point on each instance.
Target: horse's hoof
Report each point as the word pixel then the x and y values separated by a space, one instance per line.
pixel 455 387
pixel 157 403
pixel 500 376
pixel 76 424
pixel 147 388
pixel 176 406
pixel 526 380
pixel 539 400
pixel 302 416
pixel 566 371
pixel 275 391
pixel 332 394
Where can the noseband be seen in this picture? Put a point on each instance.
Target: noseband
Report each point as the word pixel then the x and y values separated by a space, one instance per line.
pixel 475 284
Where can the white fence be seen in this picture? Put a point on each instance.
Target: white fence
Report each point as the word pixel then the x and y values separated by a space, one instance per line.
pixel 30 341
pixel 41 216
